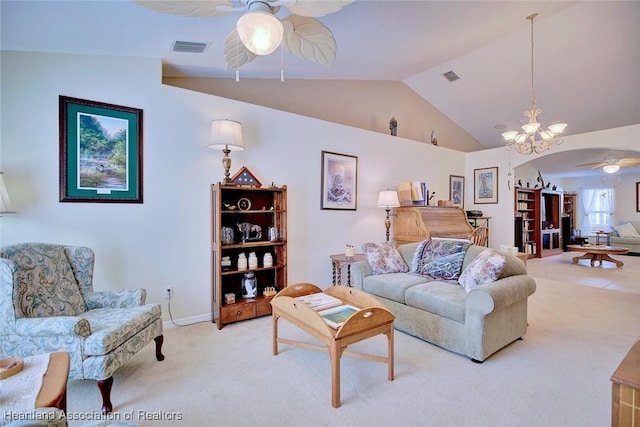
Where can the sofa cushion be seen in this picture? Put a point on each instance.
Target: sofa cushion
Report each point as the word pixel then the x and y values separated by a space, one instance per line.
pixel 440 259
pixel 391 286
pixel 441 298
pixel 484 268
pixel 46 284
pixel 384 258
pixel 626 230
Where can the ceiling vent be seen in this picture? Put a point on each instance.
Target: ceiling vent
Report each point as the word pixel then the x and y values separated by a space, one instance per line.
pixel 189 47
pixel 451 76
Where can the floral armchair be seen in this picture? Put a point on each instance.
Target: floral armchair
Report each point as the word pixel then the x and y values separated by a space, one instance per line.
pixel 47 304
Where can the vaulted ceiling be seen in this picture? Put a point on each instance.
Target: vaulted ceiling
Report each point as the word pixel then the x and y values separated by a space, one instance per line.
pixel 587 53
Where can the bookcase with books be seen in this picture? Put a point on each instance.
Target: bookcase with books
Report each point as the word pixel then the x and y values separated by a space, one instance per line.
pixel 527 221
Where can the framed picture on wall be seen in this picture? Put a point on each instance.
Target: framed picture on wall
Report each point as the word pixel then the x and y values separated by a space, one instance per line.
pixel 456 190
pixel 100 152
pixel 485 185
pixel 637 196
pixel 339 181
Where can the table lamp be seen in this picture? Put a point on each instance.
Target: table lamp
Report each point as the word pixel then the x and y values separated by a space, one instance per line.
pixel 388 199
pixel 226 136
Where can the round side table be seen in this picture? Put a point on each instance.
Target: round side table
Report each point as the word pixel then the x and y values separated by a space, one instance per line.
pixel 341 260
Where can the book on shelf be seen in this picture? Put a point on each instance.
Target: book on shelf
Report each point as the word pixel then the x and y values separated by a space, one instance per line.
pixel 336 316
pixel 320 301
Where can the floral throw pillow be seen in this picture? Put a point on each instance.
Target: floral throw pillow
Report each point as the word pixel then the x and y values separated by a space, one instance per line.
pixel 485 268
pixel 384 258
pixel 440 259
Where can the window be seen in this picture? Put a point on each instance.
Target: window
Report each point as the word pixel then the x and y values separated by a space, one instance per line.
pixel 598 204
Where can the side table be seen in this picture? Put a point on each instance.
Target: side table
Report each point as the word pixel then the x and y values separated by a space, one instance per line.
pixel 54 383
pixel 605 235
pixel 340 260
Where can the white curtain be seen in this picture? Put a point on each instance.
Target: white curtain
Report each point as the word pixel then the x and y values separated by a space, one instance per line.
pixel 598 205
pixel 588 206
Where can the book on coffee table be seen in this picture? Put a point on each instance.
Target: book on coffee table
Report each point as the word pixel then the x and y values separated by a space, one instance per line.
pixel 336 316
pixel 320 301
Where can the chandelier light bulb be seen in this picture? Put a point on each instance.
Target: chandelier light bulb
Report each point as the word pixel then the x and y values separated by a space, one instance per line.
pixel 260 31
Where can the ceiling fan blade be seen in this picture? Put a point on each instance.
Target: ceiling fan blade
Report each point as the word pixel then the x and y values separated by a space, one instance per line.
pixel 235 53
pixel 593 165
pixel 629 161
pixel 315 8
pixel 188 7
pixel 308 39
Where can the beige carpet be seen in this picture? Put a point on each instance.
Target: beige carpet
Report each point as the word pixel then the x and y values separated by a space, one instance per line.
pixel 557 376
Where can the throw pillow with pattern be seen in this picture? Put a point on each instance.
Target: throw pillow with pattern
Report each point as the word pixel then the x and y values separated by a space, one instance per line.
pixel 485 268
pixel 384 258
pixel 440 259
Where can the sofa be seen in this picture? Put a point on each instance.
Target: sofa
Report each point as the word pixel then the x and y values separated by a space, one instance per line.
pixel 622 239
pixel 474 323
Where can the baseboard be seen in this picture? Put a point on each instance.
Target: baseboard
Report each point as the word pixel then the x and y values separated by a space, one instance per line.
pixel 186 321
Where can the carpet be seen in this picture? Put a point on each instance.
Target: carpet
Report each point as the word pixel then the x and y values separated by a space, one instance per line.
pixel 559 375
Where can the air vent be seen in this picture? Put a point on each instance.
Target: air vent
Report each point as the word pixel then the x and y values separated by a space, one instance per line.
pixel 189 47
pixel 451 76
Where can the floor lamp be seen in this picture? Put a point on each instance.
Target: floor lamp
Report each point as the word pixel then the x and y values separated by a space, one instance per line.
pixel 388 199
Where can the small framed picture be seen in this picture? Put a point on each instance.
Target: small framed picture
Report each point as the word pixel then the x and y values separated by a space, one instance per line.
pixel 485 185
pixel 339 181
pixel 100 152
pixel 456 190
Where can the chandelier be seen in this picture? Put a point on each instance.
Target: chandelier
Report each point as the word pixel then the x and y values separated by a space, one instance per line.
pixel 527 142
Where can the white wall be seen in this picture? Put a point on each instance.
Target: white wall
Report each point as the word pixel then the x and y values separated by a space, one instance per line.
pixel 165 240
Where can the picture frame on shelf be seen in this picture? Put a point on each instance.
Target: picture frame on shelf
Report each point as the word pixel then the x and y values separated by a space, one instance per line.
pixel 339 181
pixel 100 152
pixel 456 190
pixel 485 185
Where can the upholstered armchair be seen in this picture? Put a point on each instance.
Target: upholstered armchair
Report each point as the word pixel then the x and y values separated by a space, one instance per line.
pixel 47 304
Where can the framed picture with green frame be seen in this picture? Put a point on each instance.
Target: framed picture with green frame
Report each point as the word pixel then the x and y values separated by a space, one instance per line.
pixel 100 152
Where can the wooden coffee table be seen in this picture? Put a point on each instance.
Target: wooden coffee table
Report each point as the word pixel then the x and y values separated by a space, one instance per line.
pixel 597 253
pixel 373 319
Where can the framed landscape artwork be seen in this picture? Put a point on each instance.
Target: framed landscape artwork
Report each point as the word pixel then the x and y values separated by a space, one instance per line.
pixel 485 185
pixel 456 190
pixel 339 181
pixel 100 152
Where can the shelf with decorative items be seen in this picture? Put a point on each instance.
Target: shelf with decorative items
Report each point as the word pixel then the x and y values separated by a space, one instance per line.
pixel 248 250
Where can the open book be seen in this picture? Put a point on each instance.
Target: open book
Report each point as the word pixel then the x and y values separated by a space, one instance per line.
pixel 320 301
pixel 336 316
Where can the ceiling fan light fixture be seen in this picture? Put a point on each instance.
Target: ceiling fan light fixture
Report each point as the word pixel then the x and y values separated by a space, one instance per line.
pixel 611 168
pixel 260 31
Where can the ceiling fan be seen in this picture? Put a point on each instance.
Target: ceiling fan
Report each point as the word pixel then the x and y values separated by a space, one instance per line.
pixel 259 31
pixel 612 164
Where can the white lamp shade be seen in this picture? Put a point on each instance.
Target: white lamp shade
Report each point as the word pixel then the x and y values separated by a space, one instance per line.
pixel 611 168
pixel 510 135
pixel 388 199
pixel 261 32
pixel 5 203
pixel 226 134
pixel 530 128
pixel 557 128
